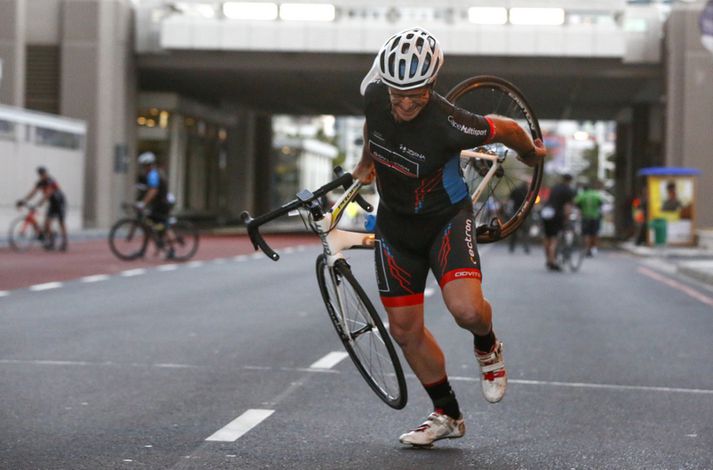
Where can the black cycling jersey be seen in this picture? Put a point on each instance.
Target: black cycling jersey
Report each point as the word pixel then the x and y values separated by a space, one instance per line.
pixel 49 184
pixel 417 162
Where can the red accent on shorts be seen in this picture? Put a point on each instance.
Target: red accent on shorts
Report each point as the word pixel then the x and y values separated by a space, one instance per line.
pixel 402 300
pixel 465 273
pixel 491 133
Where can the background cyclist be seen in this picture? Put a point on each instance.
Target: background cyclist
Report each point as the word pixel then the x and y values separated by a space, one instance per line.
pixel 55 209
pixel 154 196
pixel 590 203
pixel 413 138
pixel 553 214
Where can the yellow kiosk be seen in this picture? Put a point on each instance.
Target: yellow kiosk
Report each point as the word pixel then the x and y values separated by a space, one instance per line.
pixel 671 215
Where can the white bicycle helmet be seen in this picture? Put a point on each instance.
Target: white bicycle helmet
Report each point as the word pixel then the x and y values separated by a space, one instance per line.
pixel 408 60
pixel 147 158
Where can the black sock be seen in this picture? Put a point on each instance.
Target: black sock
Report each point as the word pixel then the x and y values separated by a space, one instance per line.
pixel 443 397
pixel 484 343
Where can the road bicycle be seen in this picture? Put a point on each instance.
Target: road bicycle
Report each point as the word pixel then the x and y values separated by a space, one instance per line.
pixel 354 317
pixel 25 231
pixel 570 244
pixel 129 237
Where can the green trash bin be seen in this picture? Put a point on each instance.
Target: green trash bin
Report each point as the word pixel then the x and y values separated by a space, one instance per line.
pixel 659 228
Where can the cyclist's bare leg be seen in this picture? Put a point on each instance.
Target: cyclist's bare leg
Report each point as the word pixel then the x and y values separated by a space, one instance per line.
pixel 420 348
pixel 464 299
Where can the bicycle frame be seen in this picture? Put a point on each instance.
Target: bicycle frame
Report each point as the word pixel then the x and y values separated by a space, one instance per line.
pixel 497 162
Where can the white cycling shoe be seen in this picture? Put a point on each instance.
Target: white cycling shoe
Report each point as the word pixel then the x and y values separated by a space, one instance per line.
pixel 437 426
pixel 493 376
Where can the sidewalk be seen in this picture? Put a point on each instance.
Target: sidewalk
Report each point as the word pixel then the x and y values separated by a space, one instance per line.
pixel 694 262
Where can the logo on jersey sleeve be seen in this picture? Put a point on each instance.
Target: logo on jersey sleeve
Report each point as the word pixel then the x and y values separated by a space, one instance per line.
pixel 467 129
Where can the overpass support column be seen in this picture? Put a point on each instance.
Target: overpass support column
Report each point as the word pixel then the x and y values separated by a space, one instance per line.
pixel 639 137
pixel 689 94
pixel 249 164
pixel 98 85
pixel 12 52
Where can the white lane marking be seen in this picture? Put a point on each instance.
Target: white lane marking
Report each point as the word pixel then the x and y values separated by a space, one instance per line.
pixel 699 391
pixel 195 264
pixel 45 286
pixel 133 272
pixel 428 291
pixel 219 261
pixel 289 250
pixel 330 360
pixel 240 258
pixel 167 267
pixel 677 285
pixel 4 293
pixel 240 425
pixel 257 256
pixel 301 247
pixel 40 362
pixel 94 278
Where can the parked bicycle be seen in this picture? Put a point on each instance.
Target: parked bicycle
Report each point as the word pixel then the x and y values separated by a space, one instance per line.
pixel 129 237
pixel 25 231
pixel 570 243
pixel 491 175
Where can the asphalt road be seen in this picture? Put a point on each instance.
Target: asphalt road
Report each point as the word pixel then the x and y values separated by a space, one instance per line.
pixel 611 367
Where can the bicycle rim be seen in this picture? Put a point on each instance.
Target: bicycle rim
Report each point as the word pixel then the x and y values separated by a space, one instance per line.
pixel 363 335
pixel 576 252
pixel 22 235
pixel 128 239
pixel 186 240
pixel 494 215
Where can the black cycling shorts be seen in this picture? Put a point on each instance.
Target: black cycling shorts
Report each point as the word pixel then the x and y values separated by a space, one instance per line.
pixel 407 246
pixel 553 226
pixel 56 209
pixel 590 227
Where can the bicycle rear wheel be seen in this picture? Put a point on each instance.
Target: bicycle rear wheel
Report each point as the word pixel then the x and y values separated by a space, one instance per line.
pixel 364 336
pixel 128 239
pixel 495 218
pixel 576 250
pixel 22 234
pixel 185 244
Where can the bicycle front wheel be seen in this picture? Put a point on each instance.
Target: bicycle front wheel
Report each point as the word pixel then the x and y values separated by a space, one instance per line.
pixel 576 250
pixel 498 213
pixel 128 239
pixel 22 234
pixel 362 332
pixel 185 243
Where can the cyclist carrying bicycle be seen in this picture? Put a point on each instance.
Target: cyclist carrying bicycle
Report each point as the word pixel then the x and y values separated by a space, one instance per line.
pixel 154 196
pixel 53 195
pixel 413 138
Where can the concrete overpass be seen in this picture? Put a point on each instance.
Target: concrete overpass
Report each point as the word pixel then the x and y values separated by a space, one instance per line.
pixel 637 64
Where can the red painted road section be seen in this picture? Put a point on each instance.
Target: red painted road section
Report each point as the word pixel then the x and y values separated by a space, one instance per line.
pixel 85 258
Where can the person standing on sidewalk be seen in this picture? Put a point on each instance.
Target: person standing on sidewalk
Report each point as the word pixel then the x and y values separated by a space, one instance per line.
pixel 53 195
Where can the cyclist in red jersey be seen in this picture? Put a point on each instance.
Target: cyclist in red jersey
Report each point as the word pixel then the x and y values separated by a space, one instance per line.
pixel 53 195
pixel 412 143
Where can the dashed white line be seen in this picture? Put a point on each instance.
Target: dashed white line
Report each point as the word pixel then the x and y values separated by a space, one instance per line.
pixel 289 249
pixel 133 272
pixel 428 291
pixel 330 360
pixel 3 293
pixel 240 425
pixel 167 267
pixel 195 264
pixel 240 258
pixel 45 286
pixel 257 256
pixel 94 278
pixel 219 261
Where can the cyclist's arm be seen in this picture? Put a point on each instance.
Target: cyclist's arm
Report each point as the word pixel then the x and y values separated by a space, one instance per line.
pixel 509 133
pixel 28 197
pixel 149 196
pixel 364 171
pixel 153 182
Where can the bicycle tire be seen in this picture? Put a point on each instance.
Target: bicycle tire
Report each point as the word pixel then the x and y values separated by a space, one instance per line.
pixel 389 386
pixel 493 95
pixel 125 242
pixel 576 252
pixel 187 239
pixel 21 241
